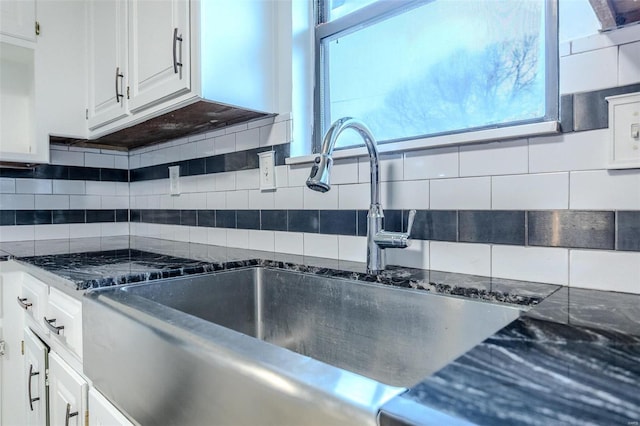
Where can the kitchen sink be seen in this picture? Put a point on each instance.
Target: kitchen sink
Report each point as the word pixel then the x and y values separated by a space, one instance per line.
pixel 272 346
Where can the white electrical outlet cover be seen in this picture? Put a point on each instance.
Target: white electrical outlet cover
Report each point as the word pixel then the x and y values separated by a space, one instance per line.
pixel 174 180
pixel 267 170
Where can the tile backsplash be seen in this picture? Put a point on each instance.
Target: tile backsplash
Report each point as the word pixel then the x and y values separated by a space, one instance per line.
pixel 539 209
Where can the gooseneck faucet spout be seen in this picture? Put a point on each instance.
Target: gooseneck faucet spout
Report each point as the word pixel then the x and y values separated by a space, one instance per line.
pixel 319 180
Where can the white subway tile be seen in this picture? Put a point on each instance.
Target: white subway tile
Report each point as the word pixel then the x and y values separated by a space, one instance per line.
pixel 282 178
pixel 52 202
pixel 189 151
pixel 569 151
pixel 198 235
pixel 496 158
pixel 122 188
pixel 602 189
pixel 195 201
pixel 205 147
pixel 261 240
pixel 460 194
pixel 181 233
pixel 100 188
pixel 224 144
pixel 414 256
pixel 238 200
pixel 7 186
pixel 605 270
pixel 530 192
pixel 99 160
pixel 17 201
pixel 215 133
pixel 75 187
pixel 238 238
pixel 431 164
pixel 168 201
pixel 409 194
pixel 247 139
pixel 289 242
pixel 351 197
pixel 261 200
pixel 298 174
pixel 261 122
pixel 153 201
pixel 114 202
pixel 344 171
pixel 629 71
pixel 274 135
pixel 390 168
pixel 85 202
pixel 33 186
pixel 121 162
pixel 85 230
pixel 236 128
pixel 84 149
pixel 596 69
pixel 216 236
pixel 248 179
pixel 206 183
pixel 134 162
pixel 197 137
pixel 226 181
pixel 17 233
pixel 114 229
pixel 289 198
pixel 353 249
pixel 464 258
pixel 318 245
pixel 319 200
pixel 188 184
pixel 538 264
pixel 216 200
pixel 67 158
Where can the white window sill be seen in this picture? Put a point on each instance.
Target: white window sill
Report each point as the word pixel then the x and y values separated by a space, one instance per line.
pixel 490 135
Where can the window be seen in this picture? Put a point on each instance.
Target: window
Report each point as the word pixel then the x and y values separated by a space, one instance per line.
pixel 411 69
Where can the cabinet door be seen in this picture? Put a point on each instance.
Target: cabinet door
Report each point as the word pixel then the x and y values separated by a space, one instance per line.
pixel 67 394
pixel 18 18
pixel 64 320
pixel 12 378
pixel 103 413
pixel 35 371
pixel 108 72
pixel 156 52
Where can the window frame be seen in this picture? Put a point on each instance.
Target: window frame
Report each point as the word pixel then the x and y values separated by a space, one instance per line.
pixel 385 9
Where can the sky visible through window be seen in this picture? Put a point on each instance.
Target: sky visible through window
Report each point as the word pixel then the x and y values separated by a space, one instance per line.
pixel 444 66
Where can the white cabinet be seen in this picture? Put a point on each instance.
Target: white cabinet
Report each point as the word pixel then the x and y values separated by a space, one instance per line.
pixel 107 27
pixel 159 51
pixel 67 394
pixel 35 375
pixel 103 413
pixel 18 18
pixel 43 83
pixel 63 318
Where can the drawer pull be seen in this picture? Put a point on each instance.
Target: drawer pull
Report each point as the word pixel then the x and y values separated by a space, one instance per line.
pixel 69 415
pixel 31 374
pixel 53 328
pixel 22 301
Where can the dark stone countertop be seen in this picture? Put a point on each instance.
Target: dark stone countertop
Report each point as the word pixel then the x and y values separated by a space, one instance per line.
pixel 572 358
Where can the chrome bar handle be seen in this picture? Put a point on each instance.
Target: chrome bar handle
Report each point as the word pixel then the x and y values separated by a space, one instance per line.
pixel 69 415
pixel 176 39
pixel 410 219
pixel 31 374
pixel 388 239
pixel 118 75
pixel 50 326
pixel 22 301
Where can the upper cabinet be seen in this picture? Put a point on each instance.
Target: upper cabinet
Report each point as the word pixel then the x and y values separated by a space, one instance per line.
pixel 42 78
pixel 181 52
pixel 18 19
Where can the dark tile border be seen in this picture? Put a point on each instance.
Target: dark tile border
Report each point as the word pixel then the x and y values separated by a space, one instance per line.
pixel 57 217
pixel 230 162
pixel 549 228
pixel 48 171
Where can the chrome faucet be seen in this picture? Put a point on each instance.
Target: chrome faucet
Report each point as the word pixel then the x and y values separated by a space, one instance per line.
pixel 377 238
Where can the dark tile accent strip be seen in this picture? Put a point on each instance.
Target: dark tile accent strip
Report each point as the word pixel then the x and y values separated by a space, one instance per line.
pixel 69 216
pixel 590 109
pixel 225 218
pixel 304 221
pixel 361 223
pixel 338 222
pixel 571 228
pixel 122 215
pixel 7 217
pixel 628 229
pixel 566 113
pixel 437 225
pixel 188 217
pixel 33 217
pixel 136 215
pixel 492 227
pixel 114 175
pixel 248 219
pixel 273 220
pixel 52 171
pixel 83 173
pixel 233 161
pixel 207 218
pixel 94 216
pixel 392 220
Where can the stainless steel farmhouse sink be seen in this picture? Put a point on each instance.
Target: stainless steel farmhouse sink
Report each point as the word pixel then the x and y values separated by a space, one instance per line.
pixel 262 346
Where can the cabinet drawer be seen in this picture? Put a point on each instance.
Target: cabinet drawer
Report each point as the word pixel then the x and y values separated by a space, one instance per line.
pixel 33 297
pixel 63 319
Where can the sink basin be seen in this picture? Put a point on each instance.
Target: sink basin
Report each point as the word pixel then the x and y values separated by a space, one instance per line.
pixel 244 343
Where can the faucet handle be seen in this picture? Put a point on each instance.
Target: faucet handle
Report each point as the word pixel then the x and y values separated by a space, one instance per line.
pixel 410 219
